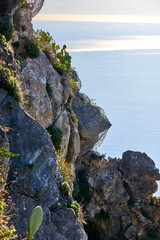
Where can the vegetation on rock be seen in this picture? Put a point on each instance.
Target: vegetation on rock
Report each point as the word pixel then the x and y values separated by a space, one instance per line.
pixel 65 168
pixel 31 47
pixel 3 41
pixel 35 220
pixel 6 27
pixel 9 81
pixel 74 119
pixel 83 195
pixel 65 188
pixel 48 88
pixel 62 60
pixel 56 136
pixel 7 230
pixel 75 206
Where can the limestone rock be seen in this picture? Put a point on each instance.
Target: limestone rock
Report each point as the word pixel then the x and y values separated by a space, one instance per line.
pixel 65 225
pixel 38 179
pixel 139 174
pixel 92 122
pixel 106 184
pixel 66 89
pixel 23 18
pixel 130 232
pixel 34 76
pixel 74 143
pixel 63 124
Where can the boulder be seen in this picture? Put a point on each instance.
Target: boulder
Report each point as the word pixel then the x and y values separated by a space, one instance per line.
pixel 139 174
pixel 106 184
pixel 92 122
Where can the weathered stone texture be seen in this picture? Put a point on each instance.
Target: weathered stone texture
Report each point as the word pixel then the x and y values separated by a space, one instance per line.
pixel 139 174
pixel 38 179
pixel 91 122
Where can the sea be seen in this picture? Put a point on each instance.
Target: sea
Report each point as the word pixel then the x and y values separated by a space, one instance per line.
pixel 119 67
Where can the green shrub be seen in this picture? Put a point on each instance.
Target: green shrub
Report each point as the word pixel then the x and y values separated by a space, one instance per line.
pixel 19 60
pixel 48 88
pixel 31 47
pixel 60 68
pixel 102 215
pixel 56 136
pixel 30 166
pixel 83 195
pixel 73 84
pixel 75 206
pixel 151 232
pixel 44 39
pixel 6 27
pixel 64 168
pixel 146 215
pixel 131 201
pixel 5 153
pixel 74 119
pixel 62 62
pixel 153 201
pixel 65 188
pixel 3 41
pixel 16 44
pixel 24 28
pixel 10 105
pixel 10 83
pixel 75 188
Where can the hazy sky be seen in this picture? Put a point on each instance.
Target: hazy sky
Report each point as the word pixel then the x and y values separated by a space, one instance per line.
pixel 105 7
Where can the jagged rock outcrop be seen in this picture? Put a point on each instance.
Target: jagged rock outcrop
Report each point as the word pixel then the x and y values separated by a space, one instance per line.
pixel 139 174
pixel 122 199
pixel 92 122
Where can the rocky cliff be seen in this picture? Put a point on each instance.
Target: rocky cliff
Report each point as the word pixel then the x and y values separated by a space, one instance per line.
pixel 54 128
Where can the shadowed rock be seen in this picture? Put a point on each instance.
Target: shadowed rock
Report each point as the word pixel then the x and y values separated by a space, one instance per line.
pixel 38 179
pixel 92 122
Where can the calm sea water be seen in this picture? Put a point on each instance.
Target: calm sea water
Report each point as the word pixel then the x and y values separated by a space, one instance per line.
pixel 118 65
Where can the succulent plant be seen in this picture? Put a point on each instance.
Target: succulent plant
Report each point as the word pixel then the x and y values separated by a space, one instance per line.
pixel 35 220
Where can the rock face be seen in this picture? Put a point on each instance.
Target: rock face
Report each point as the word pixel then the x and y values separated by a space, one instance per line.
pixel 92 122
pixel 38 179
pixel 122 199
pixel 8 5
pixel 36 99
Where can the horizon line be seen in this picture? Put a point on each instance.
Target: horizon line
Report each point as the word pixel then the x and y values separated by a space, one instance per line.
pixel 98 18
